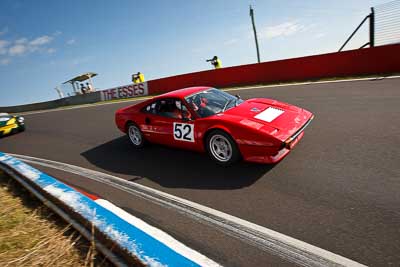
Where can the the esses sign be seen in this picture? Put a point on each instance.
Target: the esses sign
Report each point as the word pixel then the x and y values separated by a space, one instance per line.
pixel 126 91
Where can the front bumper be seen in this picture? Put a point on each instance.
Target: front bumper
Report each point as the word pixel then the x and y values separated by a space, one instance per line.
pixel 260 154
pixel 291 141
pixel 267 155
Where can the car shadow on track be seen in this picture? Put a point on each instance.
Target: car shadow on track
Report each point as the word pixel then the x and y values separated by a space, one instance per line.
pixel 172 168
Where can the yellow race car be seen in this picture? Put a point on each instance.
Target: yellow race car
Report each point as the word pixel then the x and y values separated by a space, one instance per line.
pixel 11 124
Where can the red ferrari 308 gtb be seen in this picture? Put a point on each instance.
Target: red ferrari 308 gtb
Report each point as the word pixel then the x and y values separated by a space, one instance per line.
pixel 207 119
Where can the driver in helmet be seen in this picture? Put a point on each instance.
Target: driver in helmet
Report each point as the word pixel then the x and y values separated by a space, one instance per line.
pixel 199 104
pixel 181 111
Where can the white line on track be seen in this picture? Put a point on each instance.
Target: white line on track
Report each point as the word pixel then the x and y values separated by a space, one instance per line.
pixel 288 248
pixel 230 89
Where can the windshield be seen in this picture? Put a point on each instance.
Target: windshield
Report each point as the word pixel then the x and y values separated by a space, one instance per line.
pixel 211 102
pixel 4 117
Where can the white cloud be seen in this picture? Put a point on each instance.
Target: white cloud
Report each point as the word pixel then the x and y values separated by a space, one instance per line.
pixel 32 48
pixel 79 61
pixel 230 42
pixel 5 61
pixel 17 49
pixel 23 46
pixel 4 31
pixel 21 41
pixel 3 45
pixel 51 50
pixel 57 33
pixel 71 42
pixel 282 30
pixel 42 40
pixel 319 35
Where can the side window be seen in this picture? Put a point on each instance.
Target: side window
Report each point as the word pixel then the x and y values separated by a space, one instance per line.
pixel 151 108
pixel 169 107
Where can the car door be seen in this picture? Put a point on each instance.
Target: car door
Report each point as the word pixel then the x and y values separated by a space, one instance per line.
pixel 155 124
pixel 167 122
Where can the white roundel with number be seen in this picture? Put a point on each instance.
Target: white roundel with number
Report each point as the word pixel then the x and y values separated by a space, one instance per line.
pixel 184 132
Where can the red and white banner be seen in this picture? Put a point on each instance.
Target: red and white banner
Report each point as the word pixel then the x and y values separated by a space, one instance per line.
pixel 126 91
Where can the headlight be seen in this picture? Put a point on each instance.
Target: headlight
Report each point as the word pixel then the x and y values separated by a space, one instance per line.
pixel 20 119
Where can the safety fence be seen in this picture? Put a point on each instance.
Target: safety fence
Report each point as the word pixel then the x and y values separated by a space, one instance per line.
pixel 115 234
pixel 387 23
pixel 383 25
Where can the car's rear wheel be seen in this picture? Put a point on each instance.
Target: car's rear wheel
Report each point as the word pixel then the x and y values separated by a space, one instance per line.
pixel 222 148
pixel 135 135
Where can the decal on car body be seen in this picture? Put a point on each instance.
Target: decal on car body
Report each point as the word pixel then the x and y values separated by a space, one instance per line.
pixel 269 114
pixel 184 132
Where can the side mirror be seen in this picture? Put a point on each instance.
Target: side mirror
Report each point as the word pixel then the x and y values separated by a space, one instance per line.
pixel 238 97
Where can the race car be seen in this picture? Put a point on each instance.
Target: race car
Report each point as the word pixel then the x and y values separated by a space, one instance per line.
pixel 227 127
pixel 11 124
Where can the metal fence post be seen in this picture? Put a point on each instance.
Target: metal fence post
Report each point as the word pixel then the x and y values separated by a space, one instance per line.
pixel 372 28
pixel 255 32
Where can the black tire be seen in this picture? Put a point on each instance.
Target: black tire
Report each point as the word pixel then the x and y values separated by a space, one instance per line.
pixel 224 154
pixel 21 128
pixel 135 135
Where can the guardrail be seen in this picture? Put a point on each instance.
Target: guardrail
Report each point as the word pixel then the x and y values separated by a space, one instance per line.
pixel 120 241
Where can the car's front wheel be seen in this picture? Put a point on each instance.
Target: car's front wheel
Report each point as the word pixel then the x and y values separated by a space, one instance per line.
pixel 135 135
pixel 222 148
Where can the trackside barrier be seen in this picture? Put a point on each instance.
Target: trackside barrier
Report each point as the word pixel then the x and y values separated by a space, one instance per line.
pixel 120 92
pixel 121 242
pixel 66 101
pixel 368 61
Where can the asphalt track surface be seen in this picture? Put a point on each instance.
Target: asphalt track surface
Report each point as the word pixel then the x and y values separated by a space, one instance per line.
pixel 339 189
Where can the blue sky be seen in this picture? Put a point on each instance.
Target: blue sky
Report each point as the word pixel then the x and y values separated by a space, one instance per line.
pixel 44 43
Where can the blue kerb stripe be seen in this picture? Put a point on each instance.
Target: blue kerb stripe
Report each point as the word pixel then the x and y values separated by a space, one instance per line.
pixel 148 249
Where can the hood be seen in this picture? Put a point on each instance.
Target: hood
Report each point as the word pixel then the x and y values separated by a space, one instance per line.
pixel 5 120
pixel 279 119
